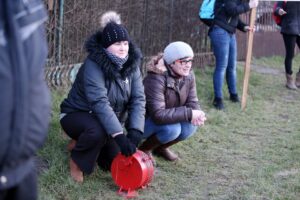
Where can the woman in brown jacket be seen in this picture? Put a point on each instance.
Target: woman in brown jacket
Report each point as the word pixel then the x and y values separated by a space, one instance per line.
pixel 172 108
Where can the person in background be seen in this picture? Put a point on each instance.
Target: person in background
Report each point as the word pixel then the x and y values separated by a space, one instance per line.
pixel 223 39
pixel 107 95
pixel 172 108
pixel 290 30
pixel 24 98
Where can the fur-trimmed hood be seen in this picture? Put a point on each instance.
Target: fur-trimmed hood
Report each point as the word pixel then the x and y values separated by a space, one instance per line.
pixel 97 54
pixel 156 64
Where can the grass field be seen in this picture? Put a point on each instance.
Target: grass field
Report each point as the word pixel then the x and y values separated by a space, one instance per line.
pixel 251 154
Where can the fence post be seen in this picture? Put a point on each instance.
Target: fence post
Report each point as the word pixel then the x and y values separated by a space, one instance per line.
pixel 59 31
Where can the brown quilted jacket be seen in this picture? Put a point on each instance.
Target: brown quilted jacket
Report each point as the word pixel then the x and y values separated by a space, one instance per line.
pixel 169 99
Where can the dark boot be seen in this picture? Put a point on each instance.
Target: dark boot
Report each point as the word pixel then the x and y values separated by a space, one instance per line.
pixel 148 145
pixel 218 103
pixel 165 152
pixel 234 98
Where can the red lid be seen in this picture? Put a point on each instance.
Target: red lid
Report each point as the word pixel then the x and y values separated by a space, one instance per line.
pixel 132 172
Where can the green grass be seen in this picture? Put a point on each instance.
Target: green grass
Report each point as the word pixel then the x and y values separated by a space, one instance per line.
pixel 251 154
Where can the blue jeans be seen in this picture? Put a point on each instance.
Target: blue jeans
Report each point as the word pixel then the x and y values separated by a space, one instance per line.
pixel 169 132
pixel 225 51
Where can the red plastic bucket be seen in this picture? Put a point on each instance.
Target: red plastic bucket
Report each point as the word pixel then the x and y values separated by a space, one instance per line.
pixel 131 173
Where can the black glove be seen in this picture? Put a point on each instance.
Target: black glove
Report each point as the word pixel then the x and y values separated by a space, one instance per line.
pixel 134 136
pixel 127 148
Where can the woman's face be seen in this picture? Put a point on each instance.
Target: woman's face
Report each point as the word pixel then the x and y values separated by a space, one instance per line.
pixel 119 49
pixel 183 66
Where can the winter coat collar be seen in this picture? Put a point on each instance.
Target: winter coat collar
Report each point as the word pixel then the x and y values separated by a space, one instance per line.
pixel 156 64
pixel 97 54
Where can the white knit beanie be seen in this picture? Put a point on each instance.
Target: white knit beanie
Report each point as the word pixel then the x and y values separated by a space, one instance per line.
pixel 177 50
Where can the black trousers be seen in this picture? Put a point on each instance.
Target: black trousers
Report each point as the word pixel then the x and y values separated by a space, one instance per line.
pixel 26 190
pixel 290 42
pixel 93 143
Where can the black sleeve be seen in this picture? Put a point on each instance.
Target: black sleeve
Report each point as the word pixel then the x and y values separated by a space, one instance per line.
pixel 241 25
pixel 232 8
pixel 279 5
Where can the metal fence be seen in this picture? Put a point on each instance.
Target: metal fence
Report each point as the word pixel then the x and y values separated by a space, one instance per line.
pixel 152 24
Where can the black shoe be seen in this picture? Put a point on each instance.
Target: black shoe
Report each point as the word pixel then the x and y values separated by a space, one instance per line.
pixel 218 103
pixel 234 98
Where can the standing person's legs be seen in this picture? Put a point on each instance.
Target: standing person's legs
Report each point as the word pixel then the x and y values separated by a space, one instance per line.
pixel 289 42
pixel 26 190
pixel 220 42
pixel 231 69
pixel 90 136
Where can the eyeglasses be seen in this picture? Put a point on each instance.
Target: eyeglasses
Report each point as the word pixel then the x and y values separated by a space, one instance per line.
pixel 185 62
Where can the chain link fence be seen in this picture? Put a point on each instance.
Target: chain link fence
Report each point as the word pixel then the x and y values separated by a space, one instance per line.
pixel 151 24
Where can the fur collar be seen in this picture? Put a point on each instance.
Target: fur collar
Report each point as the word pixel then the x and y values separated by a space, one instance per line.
pixel 158 66
pixel 98 55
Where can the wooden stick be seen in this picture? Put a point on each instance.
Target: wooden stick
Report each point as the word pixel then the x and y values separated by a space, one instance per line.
pixel 248 59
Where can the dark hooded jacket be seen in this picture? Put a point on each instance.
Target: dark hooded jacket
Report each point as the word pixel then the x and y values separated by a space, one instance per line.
pixel 115 96
pixel 227 14
pixel 290 22
pixel 169 98
pixel 24 97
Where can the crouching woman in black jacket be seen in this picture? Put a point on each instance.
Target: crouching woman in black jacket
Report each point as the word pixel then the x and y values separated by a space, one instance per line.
pixel 107 94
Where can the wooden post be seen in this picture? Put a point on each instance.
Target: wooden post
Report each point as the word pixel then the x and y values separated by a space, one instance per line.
pixel 248 59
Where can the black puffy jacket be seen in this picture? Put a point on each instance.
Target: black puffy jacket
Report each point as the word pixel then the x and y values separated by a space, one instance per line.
pixel 290 23
pixel 114 96
pixel 24 96
pixel 227 14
